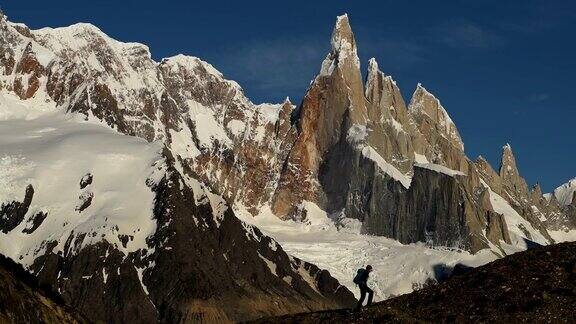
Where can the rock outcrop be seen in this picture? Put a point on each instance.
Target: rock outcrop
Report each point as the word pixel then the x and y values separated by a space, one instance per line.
pixel 23 300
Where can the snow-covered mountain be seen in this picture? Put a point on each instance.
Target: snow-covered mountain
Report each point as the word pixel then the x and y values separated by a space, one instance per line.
pixel 134 182
pixel 122 226
pixel 565 193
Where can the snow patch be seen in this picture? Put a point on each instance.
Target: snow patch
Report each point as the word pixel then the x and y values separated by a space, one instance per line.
pixel 268 113
pixel 563 235
pixel 271 265
pixel 440 169
pixel 419 158
pixel 357 134
pixel 370 153
pixel 208 129
pixel 236 127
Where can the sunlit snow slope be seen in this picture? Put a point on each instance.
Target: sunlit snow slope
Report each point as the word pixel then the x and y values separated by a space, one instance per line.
pixel 84 177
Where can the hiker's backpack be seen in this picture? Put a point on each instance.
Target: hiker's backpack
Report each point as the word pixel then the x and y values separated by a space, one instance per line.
pixel 358 275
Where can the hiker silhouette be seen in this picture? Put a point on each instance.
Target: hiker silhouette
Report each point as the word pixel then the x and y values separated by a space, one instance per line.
pixel 361 280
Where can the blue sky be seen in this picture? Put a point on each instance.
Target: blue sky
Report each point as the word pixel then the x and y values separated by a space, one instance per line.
pixel 504 70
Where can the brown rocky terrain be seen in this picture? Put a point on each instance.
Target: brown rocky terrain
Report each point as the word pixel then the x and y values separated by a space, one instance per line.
pixel 536 286
pixel 23 300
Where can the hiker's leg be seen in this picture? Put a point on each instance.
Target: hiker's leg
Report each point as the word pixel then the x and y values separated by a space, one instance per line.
pixel 362 296
pixel 370 295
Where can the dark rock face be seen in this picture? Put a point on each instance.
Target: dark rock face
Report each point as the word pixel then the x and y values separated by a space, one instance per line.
pixel 12 214
pixel 98 281
pixel 433 208
pixel 23 300
pixel 537 286
pixel 437 208
pixel 36 220
pixel 86 181
pixel 85 200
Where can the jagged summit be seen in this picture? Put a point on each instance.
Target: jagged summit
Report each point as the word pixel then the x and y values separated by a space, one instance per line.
pixel 566 193
pixel 81 35
pixel 385 98
pixel 510 174
pixel 74 28
pixel 343 48
pixel 425 104
pixel 342 36
pixel 374 71
pixel 508 160
pixel 372 68
pixel 192 62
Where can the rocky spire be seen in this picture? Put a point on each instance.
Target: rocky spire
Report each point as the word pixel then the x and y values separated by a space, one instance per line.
pixel 425 104
pixel 392 132
pixel 442 142
pixel 372 68
pixel 343 64
pixel 333 104
pixel 488 174
pixel 508 164
pixel 536 194
pixel 511 179
pixel 376 93
pixel 343 50
pixel 384 95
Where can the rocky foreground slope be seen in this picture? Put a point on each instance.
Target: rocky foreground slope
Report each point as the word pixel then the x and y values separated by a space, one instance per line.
pixel 537 286
pixel 22 300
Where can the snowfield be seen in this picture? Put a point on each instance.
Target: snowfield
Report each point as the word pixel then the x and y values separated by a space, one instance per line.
pixel 54 153
pixel 565 193
pixel 398 268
